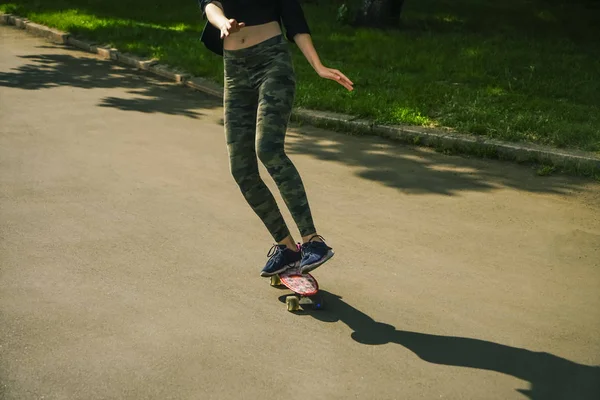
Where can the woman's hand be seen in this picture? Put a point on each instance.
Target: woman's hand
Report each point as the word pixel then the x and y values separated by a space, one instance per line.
pixel 231 26
pixel 304 42
pixel 335 75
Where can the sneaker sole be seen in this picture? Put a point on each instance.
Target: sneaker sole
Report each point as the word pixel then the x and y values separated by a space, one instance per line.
pixel 285 268
pixel 307 268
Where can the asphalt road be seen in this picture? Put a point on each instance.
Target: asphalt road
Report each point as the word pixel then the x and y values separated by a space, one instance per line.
pixel 130 261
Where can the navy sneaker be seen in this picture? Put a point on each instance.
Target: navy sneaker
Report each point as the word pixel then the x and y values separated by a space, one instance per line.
pixel 314 254
pixel 280 259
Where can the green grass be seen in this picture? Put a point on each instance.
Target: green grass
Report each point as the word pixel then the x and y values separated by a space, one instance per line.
pixel 545 170
pixel 512 70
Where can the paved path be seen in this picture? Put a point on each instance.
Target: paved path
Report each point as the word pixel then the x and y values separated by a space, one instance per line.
pixel 130 261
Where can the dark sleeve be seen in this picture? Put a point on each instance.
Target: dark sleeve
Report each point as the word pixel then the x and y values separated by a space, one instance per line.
pixel 293 18
pixel 203 4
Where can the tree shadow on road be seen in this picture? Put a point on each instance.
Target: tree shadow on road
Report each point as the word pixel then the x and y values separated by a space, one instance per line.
pixel 414 170
pixel 551 377
pixel 145 93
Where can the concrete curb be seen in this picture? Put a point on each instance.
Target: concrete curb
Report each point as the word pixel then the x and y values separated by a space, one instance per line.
pixel 582 163
pixel 53 35
pixel 206 86
pixel 80 44
pixel 104 52
pixel 169 73
pixel 570 161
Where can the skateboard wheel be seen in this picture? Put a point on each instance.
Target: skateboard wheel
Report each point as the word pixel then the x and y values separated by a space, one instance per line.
pixel 292 303
pixel 275 281
pixel 305 301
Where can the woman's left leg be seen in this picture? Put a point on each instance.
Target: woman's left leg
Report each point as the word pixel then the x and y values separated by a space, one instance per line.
pixel 276 97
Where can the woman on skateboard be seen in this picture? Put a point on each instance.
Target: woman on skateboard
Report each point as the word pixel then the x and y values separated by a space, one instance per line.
pixel 259 93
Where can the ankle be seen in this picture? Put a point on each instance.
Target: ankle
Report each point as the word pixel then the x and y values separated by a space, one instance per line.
pixel 289 243
pixel 311 238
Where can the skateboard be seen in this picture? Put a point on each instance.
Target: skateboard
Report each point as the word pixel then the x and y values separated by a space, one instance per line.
pixel 304 286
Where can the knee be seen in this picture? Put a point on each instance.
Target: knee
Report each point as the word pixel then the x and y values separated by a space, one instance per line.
pixel 271 157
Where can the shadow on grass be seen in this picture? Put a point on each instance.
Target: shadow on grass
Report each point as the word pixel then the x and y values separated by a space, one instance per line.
pixel 539 18
pixel 145 93
pixel 420 170
pixel 550 377
pixel 135 10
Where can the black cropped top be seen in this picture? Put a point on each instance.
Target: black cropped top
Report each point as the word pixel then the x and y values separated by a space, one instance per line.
pixel 255 12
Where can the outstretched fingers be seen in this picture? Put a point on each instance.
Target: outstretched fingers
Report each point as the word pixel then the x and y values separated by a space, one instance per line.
pixel 231 26
pixel 343 79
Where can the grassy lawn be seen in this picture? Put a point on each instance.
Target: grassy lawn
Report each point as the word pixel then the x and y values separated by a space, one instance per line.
pixel 514 70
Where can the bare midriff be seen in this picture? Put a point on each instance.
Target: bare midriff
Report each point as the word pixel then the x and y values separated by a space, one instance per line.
pixel 251 35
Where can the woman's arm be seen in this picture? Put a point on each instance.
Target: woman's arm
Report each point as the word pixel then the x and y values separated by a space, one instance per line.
pixel 297 30
pixel 215 15
pixel 304 42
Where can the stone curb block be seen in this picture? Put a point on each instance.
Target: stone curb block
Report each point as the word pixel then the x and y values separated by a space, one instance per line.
pixel 206 86
pixel 80 44
pixel 334 120
pixel 129 59
pixel 146 64
pixel 19 22
pixel 104 52
pixel 169 73
pixel 111 53
pixel 53 35
pixel 135 61
pixel 5 19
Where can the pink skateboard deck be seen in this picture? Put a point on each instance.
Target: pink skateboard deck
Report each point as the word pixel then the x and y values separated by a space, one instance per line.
pixel 304 285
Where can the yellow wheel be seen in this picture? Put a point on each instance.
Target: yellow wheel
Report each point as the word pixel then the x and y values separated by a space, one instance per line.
pixel 275 281
pixel 292 303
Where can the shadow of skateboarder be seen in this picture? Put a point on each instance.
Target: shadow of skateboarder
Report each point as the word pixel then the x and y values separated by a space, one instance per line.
pixel 550 377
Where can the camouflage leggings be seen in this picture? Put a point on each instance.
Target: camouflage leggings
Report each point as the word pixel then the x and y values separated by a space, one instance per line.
pixel 259 92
